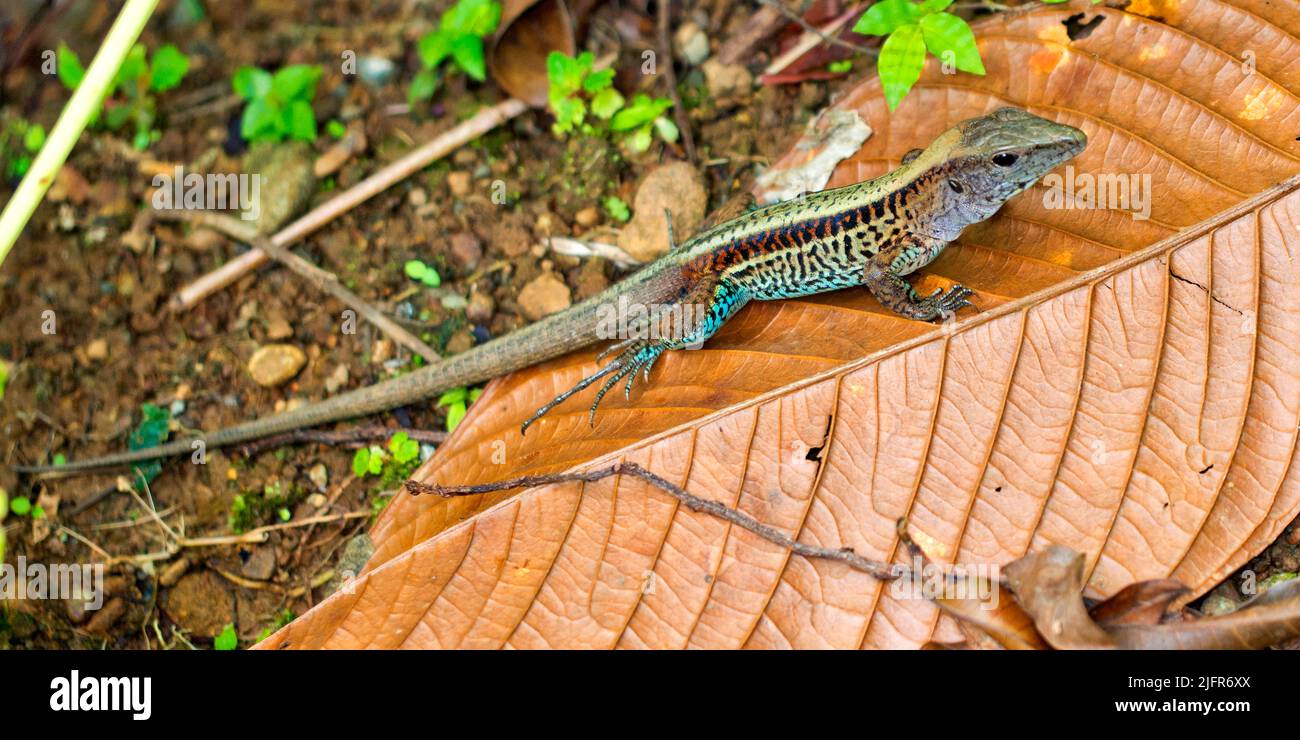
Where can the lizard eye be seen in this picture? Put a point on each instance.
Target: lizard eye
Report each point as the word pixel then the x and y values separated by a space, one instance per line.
pixel 1004 159
pixel 956 186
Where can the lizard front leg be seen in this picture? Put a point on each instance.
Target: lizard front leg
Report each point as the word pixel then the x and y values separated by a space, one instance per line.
pixel 688 323
pixel 884 278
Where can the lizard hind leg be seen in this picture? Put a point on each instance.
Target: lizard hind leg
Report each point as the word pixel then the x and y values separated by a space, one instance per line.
pixel 635 354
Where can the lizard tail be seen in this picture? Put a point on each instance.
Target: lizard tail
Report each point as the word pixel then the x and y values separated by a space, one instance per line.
pixel 558 334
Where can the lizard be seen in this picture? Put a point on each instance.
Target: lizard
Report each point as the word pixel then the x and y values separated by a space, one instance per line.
pixel 873 234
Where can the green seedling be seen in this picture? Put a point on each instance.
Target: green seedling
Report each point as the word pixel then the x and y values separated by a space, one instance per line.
pixel 617 208
pixel 392 464
pixel 19 143
pixel 910 28
pixel 422 273
pixel 278 105
pixel 227 640
pixel 576 88
pixel 281 621
pixel 137 79
pixel 457 401
pixel 459 38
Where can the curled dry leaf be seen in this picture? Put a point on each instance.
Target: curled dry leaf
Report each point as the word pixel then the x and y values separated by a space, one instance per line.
pixel 1128 389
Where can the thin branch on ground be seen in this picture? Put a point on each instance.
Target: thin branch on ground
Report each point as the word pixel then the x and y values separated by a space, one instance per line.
pixel 824 34
pixel 358 437
pixel 322 279
pixel 877 569
pixel 670 74
pixel 414 161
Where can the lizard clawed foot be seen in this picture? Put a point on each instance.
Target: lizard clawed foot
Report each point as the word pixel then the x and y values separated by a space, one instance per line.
pixel 946 304
pixel 633 355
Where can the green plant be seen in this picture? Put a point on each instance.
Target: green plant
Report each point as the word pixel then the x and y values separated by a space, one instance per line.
pixel 279 105
pixel 155 424
pixel 23 506
pixel 4 377
pixel 910 29
pixel 138 78
pixel 4 512
pixel 457 401
pixel 19 142
pixel 459 37
pixel 617 208
pixel 577 88
pixel 393 464
pixel 249 509
pixel 227 640
pixel 420 272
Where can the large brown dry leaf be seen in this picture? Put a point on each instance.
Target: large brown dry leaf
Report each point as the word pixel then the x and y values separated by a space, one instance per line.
pixel 1143 413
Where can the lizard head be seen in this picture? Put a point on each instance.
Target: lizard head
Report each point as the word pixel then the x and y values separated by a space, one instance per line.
pixel 987 160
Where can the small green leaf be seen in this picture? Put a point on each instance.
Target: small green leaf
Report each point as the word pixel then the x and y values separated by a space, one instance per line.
pixel 295 82
pixel 33 140
pixel 934 6
pixel 606 103
pixel 566 73
pixel 455 395
pixel 598 80
pixel 434 47
pixel 474 394
pixel 946 33
pixel 152 431
pixel 251 83
pixel 20 506
pixel 468 53
pixel 71 73
pixel 414 269
pixel 38 512
pixel 133 67
pixel 423 86
pixel 59 459
pixel 886 16
pixel 473 17
pixel 336 129
pixel 284 514
pixel 569 113
pixel 169 68
pixel 4 377
pixel 666 128
pixel 643 110
pixel 260 121
pixel 361 462
pixel 901 58
pixel 640 139
pixel 455 413
pixel 302 121
pixel 376 465
pixel 617 208
pixel 227 640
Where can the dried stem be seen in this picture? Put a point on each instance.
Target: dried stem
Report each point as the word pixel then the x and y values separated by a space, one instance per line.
pixel 879 570
pixel 322 279
pixel 416 160
pixel 346 437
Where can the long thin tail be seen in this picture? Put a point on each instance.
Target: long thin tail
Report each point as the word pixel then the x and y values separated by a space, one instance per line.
pixel 556 335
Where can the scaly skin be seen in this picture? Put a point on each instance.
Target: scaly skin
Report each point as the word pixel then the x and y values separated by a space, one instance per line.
pixel 873 234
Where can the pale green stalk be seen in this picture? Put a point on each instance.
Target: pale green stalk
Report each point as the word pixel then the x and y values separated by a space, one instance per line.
pixel 85 101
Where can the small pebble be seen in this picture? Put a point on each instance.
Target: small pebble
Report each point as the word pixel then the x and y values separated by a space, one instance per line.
pixel 460 183
pixel 275 364
pixel 376 71
pixel 466 250
pixel 545 295
pixel 587 217
pixel 480 308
